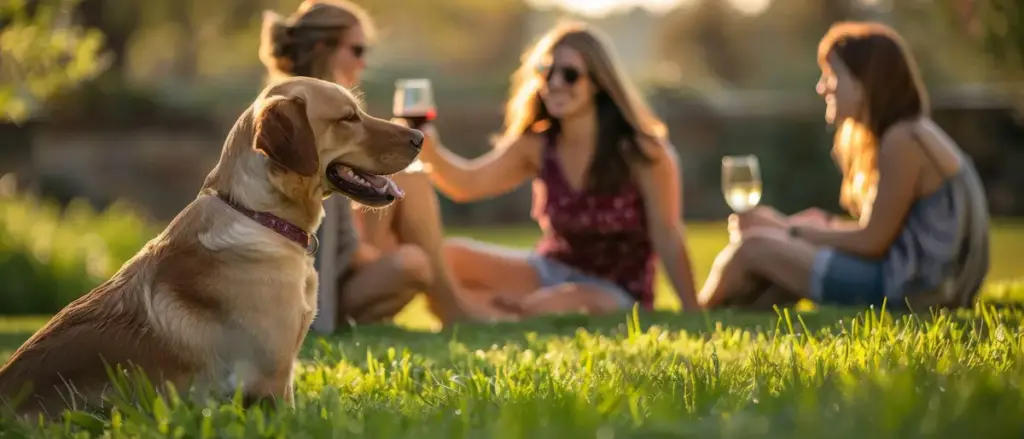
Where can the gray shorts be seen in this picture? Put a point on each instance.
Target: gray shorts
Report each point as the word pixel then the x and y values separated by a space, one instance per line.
pixel 551 272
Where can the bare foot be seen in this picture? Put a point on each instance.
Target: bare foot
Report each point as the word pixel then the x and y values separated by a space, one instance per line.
pixel 483 312
pixel 508 304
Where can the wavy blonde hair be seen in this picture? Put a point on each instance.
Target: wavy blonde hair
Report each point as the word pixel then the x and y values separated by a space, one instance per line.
pixel 304 43
pixel 879 59
pixel 623 113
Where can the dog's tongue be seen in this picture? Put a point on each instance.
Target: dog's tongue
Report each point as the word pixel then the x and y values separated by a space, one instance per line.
pixel 385 184
pixel 394 190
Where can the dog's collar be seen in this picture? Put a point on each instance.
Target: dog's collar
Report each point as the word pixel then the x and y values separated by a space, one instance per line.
pixel 308 241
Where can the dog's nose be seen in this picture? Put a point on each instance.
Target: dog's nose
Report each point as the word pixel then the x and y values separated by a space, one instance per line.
pixel 417 139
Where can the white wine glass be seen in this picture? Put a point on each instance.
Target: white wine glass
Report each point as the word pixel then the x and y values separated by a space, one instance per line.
pixel 741 182
pixel 414 102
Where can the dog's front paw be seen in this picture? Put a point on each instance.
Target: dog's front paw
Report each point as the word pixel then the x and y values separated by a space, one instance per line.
pixel 264 402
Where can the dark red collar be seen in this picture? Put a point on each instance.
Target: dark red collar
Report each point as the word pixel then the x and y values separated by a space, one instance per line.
pixel 273 222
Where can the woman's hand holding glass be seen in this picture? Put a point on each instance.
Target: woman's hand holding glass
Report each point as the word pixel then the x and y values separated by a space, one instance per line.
pixel 761 217
pixel 811 217
pixel 414 107
pixel 741 186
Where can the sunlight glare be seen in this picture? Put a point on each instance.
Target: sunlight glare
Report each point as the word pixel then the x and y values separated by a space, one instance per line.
pixel 750 7
pixel 596 8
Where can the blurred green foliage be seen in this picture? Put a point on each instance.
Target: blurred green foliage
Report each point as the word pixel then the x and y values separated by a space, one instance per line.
pixel 1001 25
pixel 49 257
pixel 994 29
pixel 42 52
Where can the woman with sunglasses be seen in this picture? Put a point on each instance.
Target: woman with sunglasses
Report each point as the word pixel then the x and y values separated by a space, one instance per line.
pixel 387 257
pixel 606 187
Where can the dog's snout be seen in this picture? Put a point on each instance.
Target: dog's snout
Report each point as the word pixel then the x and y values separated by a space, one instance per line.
pixel 416 139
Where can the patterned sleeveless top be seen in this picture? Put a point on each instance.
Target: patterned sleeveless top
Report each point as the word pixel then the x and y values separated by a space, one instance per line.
pixel 603 235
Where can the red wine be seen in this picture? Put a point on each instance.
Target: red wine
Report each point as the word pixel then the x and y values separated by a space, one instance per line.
pixel 417 119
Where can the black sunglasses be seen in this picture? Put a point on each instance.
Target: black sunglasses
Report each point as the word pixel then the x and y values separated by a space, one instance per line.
pixel 359 50
pixel 569 74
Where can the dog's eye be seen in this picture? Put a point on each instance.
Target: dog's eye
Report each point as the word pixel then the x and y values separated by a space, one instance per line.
pixel 352 117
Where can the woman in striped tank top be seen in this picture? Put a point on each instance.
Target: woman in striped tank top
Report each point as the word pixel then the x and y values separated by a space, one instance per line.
pixel 606 187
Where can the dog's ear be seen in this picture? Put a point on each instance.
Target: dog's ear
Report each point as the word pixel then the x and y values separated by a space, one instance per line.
pixel 283 134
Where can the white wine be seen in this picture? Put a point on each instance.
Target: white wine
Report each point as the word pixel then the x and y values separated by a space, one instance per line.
pixel 744 196
pixel 741 182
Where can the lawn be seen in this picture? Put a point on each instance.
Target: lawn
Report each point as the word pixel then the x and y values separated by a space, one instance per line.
pixel 811 373
pixel 705 240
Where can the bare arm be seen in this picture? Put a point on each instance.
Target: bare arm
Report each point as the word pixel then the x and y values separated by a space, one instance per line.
pixel 899 168
pixel 494 173
pixel 661 186
pixel 820 218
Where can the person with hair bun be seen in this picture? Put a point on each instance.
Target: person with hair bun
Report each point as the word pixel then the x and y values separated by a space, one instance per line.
pixel 374 264
pixel 323 39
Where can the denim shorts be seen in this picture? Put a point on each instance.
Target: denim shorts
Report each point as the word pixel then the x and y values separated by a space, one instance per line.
pixel 839 278
pixel 551 272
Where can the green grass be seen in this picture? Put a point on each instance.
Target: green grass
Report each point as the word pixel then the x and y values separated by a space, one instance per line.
pixel 705 239
pixel 817 373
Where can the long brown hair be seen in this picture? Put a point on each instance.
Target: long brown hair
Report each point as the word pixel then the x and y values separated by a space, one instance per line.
pixel 622 113
pixel 303 44
pixel 879 59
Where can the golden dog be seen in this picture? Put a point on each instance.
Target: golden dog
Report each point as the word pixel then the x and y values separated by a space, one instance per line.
pixel 224 296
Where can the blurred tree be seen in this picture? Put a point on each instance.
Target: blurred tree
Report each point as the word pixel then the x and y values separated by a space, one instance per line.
pixel 708 41
pixel 833 11
pixel 715 45
pixel 715 31
pixel 42 51
pixel 946 58
pixel 118 20
pixel 997 26
pixel 466 35
pixel 796 27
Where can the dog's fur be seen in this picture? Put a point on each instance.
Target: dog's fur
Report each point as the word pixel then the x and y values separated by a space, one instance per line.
pixel 217 300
